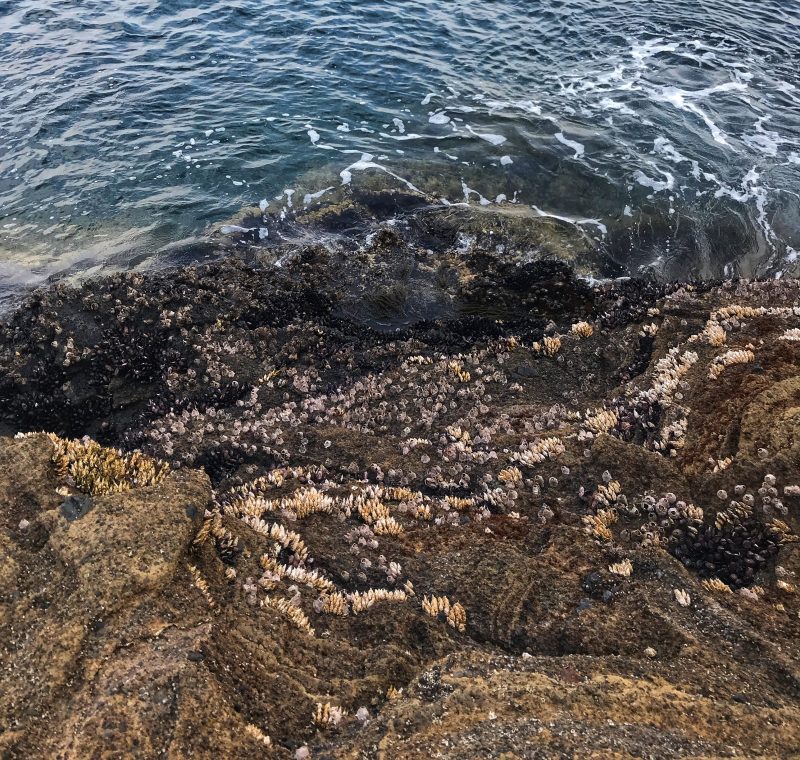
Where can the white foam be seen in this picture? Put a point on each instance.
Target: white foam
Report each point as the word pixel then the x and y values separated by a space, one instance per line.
pixel 313 136
pixel 401 127
pixel 641 51
pixel 230 229
pixel 656 185
pixel 468 192
pixel 309 198
pixel 576 146
pixel 263 205
pixel 427 99
pixel 684 101
pixel 414 136
pixel 609 104
pixel 665 148
pixel 528 106
pixel 506 161
pixel 764 141
pixel 573 220
pixel 440 117
pixel 343 128
pixel 366 162
pixel 490 138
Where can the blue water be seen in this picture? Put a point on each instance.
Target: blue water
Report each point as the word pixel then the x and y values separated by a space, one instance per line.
pixel 667 131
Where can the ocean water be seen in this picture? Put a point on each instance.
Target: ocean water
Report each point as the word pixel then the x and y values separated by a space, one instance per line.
pixel 666 132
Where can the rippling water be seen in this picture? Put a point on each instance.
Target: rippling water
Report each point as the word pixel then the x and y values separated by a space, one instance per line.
pixel 668 131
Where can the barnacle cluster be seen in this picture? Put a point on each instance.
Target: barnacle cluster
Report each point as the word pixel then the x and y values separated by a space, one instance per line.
pixel 327 714
pixel 361 601
pixel 600 421
pixel 582 329
pixel 257 734
pixel 599 524
pixel 728 359
pixel 201 584
pixel 715 585
pixel 97 470
pixel 682 597
pixel 549 345
pixel 623 568
pixel 538 451
pixel 290 611
pixel 454 614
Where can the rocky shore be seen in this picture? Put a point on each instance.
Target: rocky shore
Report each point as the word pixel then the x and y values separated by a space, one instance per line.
pixel 410 491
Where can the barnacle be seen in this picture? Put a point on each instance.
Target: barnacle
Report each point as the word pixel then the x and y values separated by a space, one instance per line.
pixel 721 464
pixel 682 597
pixel 335 604
pixel 549 346
pixel 728 359
pixel 598 525
pixel 373 510
pixel 457 369
pixel 786 587
pixel 291 612
pixel 327 714
pixel 387 526
pixel 201 584
pixel 258 734
pixel 361 601
pixel 98 470
pixel 624 568
pixel 601 421
pixel 455 614
pixel 510 475
pixel 310 578
pixel 716 585
pixel 714 333
pixel 793 335
pixel 545 448
pixel 459 503
pixel 582 329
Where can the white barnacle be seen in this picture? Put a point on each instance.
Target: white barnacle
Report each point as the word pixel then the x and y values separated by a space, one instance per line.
pixel 682 597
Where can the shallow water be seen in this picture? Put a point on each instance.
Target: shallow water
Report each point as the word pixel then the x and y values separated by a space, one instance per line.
pixel 669 132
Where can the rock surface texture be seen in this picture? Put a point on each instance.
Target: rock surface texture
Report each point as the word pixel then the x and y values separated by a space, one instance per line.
pixel 414 502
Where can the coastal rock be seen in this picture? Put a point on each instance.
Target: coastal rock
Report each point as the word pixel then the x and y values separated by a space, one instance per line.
pixel 555 520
